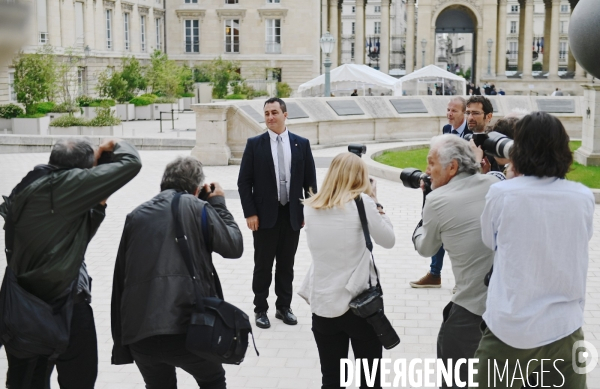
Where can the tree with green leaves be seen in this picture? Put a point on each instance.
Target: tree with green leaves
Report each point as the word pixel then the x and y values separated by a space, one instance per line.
pixel 35 78
pixel 112 84
pixel 162 74
pixel 66 76
pixel 133 74
pixel 186 79
pixel 222 72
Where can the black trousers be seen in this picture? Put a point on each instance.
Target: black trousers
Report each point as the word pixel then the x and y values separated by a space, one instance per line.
pixel 459 337
pixel 77 367
pixel 158 356
pixel 279 242
pixel 333 336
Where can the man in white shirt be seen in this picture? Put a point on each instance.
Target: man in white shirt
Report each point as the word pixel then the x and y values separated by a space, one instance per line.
pixel 539 224
pixel 451 216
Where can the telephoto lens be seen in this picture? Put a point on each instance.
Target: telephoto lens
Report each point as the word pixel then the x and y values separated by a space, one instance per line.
pixel 411 178
pixel 357 149
pixel 384 330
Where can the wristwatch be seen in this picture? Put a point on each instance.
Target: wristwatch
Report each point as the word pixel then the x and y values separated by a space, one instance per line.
pixel 379 205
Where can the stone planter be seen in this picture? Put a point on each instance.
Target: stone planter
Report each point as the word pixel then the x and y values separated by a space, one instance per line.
pixel 143 112
pixel 187 103
pixel 56 115
pixel 36 126
pixel 89 131
pixel 5 124
pixel 126 111
pixel 158 108
pixel 180 104
pixel 90 112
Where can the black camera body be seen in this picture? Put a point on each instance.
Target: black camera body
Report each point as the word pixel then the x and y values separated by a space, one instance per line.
pixel 105 157
pixel 411 178
pixel 203 195
pixel 357 149
pixel 493 143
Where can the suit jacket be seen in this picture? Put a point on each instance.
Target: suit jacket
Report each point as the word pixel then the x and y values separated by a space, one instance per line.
pixel 448 130
pixel 257 184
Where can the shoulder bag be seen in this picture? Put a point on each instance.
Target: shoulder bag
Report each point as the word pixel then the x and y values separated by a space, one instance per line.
pixel 218 330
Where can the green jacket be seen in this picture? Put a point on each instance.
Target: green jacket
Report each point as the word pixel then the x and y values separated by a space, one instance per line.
pixel 56 217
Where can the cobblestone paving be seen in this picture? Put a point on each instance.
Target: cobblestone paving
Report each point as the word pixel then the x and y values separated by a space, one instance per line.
pixel 288 355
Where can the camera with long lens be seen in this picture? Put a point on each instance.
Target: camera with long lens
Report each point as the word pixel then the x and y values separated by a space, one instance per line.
pixel 493 143
pixel 369 306
pixel 357 149
pixel 411 178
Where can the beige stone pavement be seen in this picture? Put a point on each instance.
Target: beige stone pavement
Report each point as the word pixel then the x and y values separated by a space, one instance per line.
pixel 288 355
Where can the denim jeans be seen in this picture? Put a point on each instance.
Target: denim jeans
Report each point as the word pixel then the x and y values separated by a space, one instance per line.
pixel 437 261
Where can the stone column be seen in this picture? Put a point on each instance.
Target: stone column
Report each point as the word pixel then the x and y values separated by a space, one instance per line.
pixel 547 35
pixel 553 45
pixel 54 22
pixel 501 40
pixel 359 33
pixel 527 35
pixel 88 20
pixel 521 46
pixel 410 37
pixel 589 152
pixel 384 40
pixel 67 23
pixel 334 30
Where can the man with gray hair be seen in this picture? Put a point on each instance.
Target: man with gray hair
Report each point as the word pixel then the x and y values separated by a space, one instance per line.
pixel 451 216
pixel 153 293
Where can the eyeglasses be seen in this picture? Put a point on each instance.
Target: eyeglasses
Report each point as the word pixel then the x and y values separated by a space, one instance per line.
pixel 474 113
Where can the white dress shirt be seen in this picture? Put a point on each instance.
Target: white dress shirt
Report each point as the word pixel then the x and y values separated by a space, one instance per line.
pixel 287 157
pixel 461 128
pixel 341 262
pixel 540 229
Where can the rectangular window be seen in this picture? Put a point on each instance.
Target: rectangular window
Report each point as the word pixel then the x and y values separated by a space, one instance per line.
pixel 514 8
pixel 564 8
pixel 231 1
pixel 42 21
pixel 191 1
pixel 513 27
pixel 192 36
pixel 232 36
pixel 79 30
pixel 377 9
pixel 81 82
pixel 563 27
pixel 143 34
pixel 352 50
pixel 109 35
pixel 12 95
pixel 273 36
pixel 377 28
pixel 158 24
pixel 273 1
pixel 353 27
pixel 126 30
pixel 513 49
pixel 353 9
pixel 562 53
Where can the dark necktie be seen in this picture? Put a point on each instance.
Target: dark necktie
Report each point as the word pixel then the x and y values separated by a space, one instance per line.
pixel 454 132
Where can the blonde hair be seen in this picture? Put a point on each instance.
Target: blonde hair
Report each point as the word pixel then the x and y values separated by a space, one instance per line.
pixel 345 180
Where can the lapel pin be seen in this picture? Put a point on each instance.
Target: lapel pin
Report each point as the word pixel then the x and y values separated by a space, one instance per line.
pixel 296 144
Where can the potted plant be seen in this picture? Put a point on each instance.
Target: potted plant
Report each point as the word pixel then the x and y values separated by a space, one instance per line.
pixel 66 125
pixel 186 87
pixel 164 78
pixel 58 110
pixel 164 104
pixel 122 86
pixel 7 113
pixel 90 106
pixel 105 123
pixel 143 106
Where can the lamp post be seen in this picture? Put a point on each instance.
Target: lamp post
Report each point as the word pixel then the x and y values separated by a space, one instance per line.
pixel 490 42
pixel 327 46
pixel 423 45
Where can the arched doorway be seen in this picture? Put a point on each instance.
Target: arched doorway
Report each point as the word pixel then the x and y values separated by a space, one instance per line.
pixel 456 41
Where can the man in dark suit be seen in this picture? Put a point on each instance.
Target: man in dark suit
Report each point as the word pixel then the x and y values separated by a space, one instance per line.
pixel 277 171
pixel 457 125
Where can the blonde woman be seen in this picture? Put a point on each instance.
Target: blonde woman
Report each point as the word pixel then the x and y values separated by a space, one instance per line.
pixel 341 264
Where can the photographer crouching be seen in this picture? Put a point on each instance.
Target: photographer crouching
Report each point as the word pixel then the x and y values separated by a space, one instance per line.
pixel 539 224
pixel 451 216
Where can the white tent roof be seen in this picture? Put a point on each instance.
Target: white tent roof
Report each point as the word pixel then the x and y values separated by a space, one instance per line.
pixel 352 76
pixel 433 72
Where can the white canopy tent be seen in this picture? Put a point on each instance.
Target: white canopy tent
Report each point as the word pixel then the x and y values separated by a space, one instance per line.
pixel 346 78
pixel 450 83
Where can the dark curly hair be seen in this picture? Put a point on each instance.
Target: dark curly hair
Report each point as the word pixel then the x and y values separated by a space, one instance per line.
pixel 541 146
pixel 506 126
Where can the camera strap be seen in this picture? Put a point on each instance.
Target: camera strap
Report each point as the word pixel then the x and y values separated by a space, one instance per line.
pixel 360 205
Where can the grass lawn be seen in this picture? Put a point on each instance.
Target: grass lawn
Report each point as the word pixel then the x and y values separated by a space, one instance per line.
pixel 587 175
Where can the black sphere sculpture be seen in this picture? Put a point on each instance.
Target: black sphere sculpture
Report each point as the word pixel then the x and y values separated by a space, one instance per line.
pixel 584 35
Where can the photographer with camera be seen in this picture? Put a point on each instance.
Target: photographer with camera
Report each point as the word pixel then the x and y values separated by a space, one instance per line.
pixel 50 218
pixel 153 293
pixel 451 216
pixel 341 267
pixel 539 225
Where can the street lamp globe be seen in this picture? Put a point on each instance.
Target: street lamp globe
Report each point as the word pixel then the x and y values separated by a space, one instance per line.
pixel 87 51
pixel 327 43
pixel 424 43
pixel 490 42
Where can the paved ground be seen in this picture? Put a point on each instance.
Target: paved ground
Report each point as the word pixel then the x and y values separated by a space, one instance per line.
pixel 288 353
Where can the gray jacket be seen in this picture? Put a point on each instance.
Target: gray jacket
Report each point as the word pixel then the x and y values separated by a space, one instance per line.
pixel 153 293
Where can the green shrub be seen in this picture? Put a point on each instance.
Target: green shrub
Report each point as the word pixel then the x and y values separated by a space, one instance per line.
pixel 165 100
pixel 44 108
pixel 32 116
pixel 10 111
pixel 104 117
pixel 236 97
pixel 84 101
pixel 537 66
pixel 68 121
pixel 141 101
pixel 188 95
pixel 259 93
pixel 102 103
pixel 65 108
pixel 283 90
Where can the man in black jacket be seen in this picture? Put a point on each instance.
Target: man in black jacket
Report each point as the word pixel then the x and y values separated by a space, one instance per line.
pixel 277 171
pixel 56 210
pixel 153 293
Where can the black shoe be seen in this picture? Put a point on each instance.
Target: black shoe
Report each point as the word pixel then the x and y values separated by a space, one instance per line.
pixel 262 320
pixel 286 315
